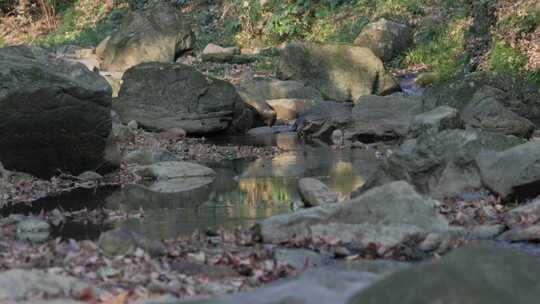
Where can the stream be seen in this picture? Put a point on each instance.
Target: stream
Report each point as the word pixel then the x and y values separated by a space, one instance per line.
pixel 242 192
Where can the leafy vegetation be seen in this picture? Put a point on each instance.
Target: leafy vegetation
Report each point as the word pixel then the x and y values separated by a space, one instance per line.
pixel 84 23
pixel 441 49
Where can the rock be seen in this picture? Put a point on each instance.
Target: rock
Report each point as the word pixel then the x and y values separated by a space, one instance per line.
pixel 55 114
pixel 376 118
pixel 289 109
pixel 216 53
pixel 300 258
pixel 266 89
pixel 158 33
pixel 443 164
pixel 120 241
pixel 385 38
pixel 329 284
pixel 315 193
pixel 478 274
pixel 386 216
pixel 515 95
pixel 133 125
pixel 485 112
pixel 523 215
pixel 100 48
pixel 266 114
pixel 485 232
pixel 325 117
pixel 90 176
pixel 173 169
pixel 32 224
pixel 513 171
pixel 337 137
pixel 427 78
pixel 195 103
pixel 521 234
pixel 122 133
pixel 339 72
pixel 149 157
pixel 19 285
pixel 436 120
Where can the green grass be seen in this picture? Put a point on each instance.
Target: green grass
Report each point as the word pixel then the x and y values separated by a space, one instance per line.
pixel 441 49
pixel 507 60
pixel 78 27
pixel 2 42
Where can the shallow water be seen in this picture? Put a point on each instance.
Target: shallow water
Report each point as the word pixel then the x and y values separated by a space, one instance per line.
pixel 243 191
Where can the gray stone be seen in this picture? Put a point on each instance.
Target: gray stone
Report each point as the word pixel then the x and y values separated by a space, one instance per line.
pixel 512 172
pixel 317 285
pixel 266 113
pixel 388 117
pixel 55 114
pixel 486 112
pixel 436 120
pixel 19 285
pixel 32 224
pixel 325 117
pixel 339 72
pixel 90 176
pixel 385 38
pixel 120 241
pixel 443 164
pixel 315 193
pixel 475 274
pixel 288 109
pixel 385 215
pixel 521 234
pixel 514 94
pixel 158 33
pixel 163 96
pixel 300 258
pixel 173 169
pixel 215 53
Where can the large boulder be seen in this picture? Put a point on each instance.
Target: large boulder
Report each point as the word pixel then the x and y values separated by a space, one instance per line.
pixel 512 172
pixel 157 33
pixel 443 164
pixel 385 38
pixel 339 72
pixel 477 274
pixel 162 96
pixel 383 117
pixel 386 216
pixel 315 193
pixel 323 118
pixel 515 95
pixel 55 114
pixel 436 120
pixel 487 112
pixel 289 109
pixel 328 284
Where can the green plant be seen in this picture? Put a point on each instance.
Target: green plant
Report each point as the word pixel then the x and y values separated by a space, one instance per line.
pixel 508 60
pixel 2 42
pixel 441 49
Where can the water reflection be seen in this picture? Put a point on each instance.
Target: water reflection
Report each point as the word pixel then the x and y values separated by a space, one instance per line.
pixel 242 192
